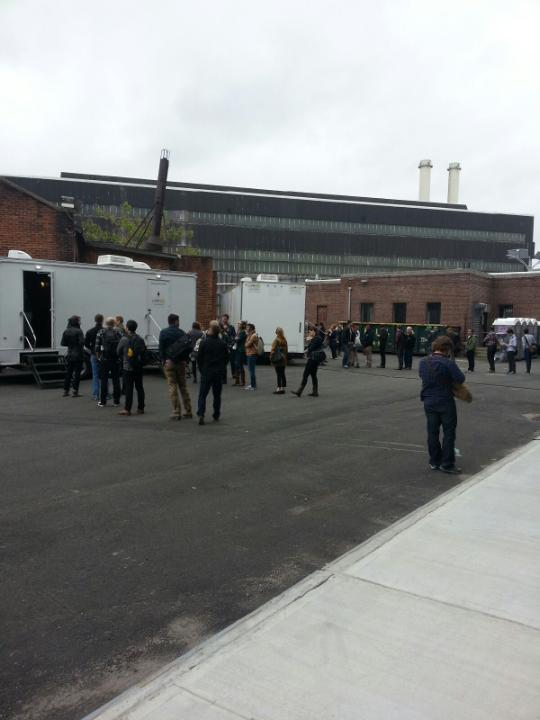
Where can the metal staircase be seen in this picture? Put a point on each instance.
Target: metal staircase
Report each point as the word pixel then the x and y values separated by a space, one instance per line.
pixel 48 368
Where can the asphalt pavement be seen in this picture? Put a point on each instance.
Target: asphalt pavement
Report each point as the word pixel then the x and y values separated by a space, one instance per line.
pixel 126 541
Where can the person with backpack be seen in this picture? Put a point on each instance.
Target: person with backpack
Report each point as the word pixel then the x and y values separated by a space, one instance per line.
pixel 90 345
pixel 346 340
pixel 194 334
pixel 383 339
pixel 131 351
pixel 211 358
pixel 228 335
pixel 278 358
pixel 73 339
pixel 315 356
pixel 107 341
pixel 175 348
pixel 252 351
pixel 491 342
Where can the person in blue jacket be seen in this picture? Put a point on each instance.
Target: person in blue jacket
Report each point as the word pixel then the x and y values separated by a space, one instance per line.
pixel 439 374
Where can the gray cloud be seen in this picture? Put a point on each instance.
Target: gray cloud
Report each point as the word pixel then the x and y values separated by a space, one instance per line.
pixel 296 95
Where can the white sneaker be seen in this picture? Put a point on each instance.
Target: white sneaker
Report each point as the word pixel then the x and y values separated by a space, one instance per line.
pixel 250 388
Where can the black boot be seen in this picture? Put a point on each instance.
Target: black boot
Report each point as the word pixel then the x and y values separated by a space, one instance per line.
pixel 298 392
pixel 315 390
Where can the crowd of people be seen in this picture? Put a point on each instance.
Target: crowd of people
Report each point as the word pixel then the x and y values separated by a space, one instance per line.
pixel 118 355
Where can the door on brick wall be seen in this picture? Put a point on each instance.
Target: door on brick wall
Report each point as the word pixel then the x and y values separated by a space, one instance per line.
pixel 38 309
pixel 158 294
pixel 322 314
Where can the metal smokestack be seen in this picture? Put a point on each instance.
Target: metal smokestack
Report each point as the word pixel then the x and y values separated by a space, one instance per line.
pixel 425 180
pixel 155 242
pixel 453 183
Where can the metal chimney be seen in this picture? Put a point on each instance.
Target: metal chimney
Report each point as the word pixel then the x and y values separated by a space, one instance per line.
pixel 453 182
pixel 425 180
pixel 155 242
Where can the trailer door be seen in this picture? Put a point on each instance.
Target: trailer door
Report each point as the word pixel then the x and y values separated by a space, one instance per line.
pixel 37 315
pixel 158 293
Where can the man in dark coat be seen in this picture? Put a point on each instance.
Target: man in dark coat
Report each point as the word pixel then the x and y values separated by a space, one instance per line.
pixel 383 339
pixel 73 339
pixel 212 361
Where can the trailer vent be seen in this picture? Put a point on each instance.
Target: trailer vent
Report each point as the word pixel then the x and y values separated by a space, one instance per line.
pixel 265 277
pixel 141 265
pixel 19 255
pixel 115 260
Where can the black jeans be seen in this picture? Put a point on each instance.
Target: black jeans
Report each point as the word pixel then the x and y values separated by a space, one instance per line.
pixel 382 350
pixel 407 359
pixel 310 371
pixel 134 378
pixel 333 348
pixel 528 359
pixel 110 367
pixel 280 373
pixel 400 356
pixel 73 374
pixel 470 358
pixel 511 361
pixel 210 381
pixel 491 357
pixel 444 415
pixel 194 370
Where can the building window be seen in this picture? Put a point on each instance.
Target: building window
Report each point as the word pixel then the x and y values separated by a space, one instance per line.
pixel 400 313
pixel 433 313
pixel 322 314
pixel 366 312
pixel 506 311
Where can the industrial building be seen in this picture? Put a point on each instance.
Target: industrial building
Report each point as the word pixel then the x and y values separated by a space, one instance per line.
pixel 309 235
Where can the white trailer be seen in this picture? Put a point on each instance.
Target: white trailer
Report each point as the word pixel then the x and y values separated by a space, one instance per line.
pixel 38 296
pixel 268 303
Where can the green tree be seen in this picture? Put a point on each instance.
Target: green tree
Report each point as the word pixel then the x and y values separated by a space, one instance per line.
pixel 119 228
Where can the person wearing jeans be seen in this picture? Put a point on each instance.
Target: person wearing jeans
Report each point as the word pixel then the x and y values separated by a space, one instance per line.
pixel 511 350
pixel 212 360
pixel 252 341
pixel 90 345
pixel 528 347
pixel 491 342
pixel 439 373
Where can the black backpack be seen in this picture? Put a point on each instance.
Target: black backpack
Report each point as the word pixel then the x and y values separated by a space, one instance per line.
pixel 181 349
pixel 137 355
pixel 109 343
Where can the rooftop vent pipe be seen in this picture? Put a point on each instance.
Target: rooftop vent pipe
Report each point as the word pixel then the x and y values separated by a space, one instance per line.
pixel 453 183
pixel 155 242
pixel 425 180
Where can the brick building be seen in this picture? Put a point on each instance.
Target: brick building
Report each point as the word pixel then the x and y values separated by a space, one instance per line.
pixel 460 298
pixel 47 232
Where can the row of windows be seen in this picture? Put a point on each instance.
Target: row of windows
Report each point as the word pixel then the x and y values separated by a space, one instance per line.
pixel 335 265
pixel 281 223
pixel 399 312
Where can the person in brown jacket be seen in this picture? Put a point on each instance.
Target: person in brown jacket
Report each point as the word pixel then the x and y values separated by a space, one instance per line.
pixel 278 358
pixel 252 350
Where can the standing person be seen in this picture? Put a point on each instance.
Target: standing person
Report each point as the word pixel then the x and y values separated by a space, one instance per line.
pixel 228 335
pixel 90 345
pixel 119 325
pixel 529 345
pixel 470 348
pixel 241 359
pixel 383 339
pixel 131 350
pixel 400 347
pixel 315 355
pixel 278 358
pixel 252 341
pixel 491 342
pixel 439 373
pixel 211 358
pixel 367 344
pixel 174 365
pixel 194 334
pixel 107 341
pixel 511 350
pixel 73 339
pixel 409 345
pixel 355 347
pixel 347 343
pixel 333 341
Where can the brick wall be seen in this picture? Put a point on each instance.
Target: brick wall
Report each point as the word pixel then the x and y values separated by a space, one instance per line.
pixel 522 292
pixel 28 224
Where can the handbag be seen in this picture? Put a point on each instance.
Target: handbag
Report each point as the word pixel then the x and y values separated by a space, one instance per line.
pixel 462 392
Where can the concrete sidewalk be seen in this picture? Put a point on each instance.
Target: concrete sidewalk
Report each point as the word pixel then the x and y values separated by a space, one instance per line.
pixel 436 617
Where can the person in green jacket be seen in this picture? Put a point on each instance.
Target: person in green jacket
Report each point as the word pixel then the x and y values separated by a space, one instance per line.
pixel 470 348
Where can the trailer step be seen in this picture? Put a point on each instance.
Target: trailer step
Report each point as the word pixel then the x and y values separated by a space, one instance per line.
pixel 48 369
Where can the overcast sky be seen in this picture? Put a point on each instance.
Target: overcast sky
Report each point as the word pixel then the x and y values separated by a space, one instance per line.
pixel 339 97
